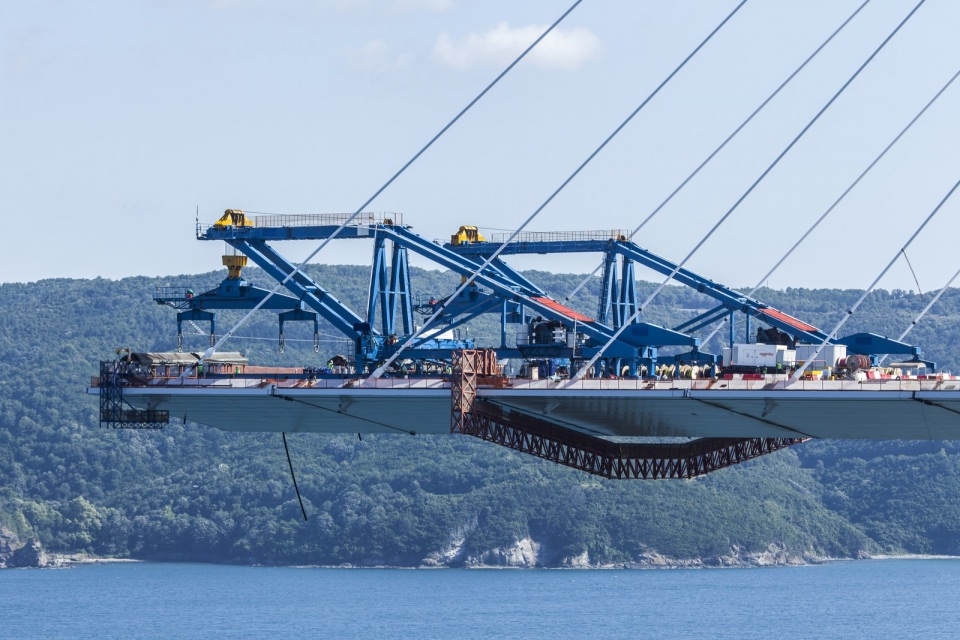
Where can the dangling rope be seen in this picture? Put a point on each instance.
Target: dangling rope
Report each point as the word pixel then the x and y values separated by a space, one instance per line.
pixel 293 476
pixel 799 372
pixel 924 312
pixel 583 370
pixel 466 283
pixel 409 162
pixel 723 144
pixel 843 195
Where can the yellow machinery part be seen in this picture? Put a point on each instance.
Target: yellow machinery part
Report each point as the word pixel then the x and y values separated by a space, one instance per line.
pixel 233 218
pixel 234 265
pixel 467 234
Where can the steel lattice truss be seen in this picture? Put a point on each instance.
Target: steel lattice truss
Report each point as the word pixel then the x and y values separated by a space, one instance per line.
pixel 610 459
pixel 557 443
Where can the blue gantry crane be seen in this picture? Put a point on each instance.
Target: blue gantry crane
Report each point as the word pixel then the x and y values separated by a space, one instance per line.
pixel 618 300
pixel 550 329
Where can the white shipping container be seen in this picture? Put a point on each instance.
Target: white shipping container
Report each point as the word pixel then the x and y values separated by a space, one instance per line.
pixel 763 355
pixel 827 358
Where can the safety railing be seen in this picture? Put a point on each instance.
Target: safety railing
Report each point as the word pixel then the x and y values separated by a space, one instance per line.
pixel 276 220
pixel 561 385
pixel 562 236
pixel 326 219
pixel 172 294
pixel 705 384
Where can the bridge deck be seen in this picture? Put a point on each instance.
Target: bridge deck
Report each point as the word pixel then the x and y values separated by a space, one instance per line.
pixel 888 409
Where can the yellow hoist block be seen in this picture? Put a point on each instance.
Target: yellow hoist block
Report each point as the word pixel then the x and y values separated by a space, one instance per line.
pixel 234 265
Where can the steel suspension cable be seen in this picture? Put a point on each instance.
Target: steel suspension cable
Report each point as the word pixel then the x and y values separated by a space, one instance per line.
pixel 849 313
pixel 723 144
pixel 396 175
pixel 583 370
pixel 842 196
pixel 466 283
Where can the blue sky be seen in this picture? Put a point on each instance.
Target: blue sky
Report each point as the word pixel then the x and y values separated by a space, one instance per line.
pixel 120 118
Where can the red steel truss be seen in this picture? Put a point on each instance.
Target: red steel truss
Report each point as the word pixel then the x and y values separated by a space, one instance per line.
pixel 551 441
pixel 463 387
pixel 598 456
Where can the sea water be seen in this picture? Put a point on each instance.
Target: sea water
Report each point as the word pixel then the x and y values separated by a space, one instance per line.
pixel 862 599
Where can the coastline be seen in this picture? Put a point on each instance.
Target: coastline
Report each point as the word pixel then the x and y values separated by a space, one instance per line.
pixel 71 559
pixel 66 561
pixel 912 556
pixel 774 556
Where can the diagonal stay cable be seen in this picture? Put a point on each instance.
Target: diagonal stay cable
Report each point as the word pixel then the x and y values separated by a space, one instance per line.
pixel 925 310
pixel 849 313
pixel 583 370
pixel 396 175
pixel 920 315
pixel 466 283
pixel 842 196
pixel 723 144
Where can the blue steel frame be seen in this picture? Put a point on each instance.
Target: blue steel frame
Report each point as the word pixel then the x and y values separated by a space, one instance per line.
pixel 731 301
pixel 497 289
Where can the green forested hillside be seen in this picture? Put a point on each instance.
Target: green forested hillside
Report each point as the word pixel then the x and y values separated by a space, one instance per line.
pixel 190 492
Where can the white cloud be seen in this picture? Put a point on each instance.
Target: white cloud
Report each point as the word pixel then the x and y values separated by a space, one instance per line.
pixel 376 57
pixel 563 49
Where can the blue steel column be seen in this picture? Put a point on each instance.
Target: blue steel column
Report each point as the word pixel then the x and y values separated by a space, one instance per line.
pixel 503 324
pixel 628 291
pixel 378 284
pixel 733 328
pixel 400 289
pixel 608 289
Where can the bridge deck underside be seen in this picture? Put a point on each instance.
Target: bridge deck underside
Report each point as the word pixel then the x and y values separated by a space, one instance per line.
pixel 767 414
